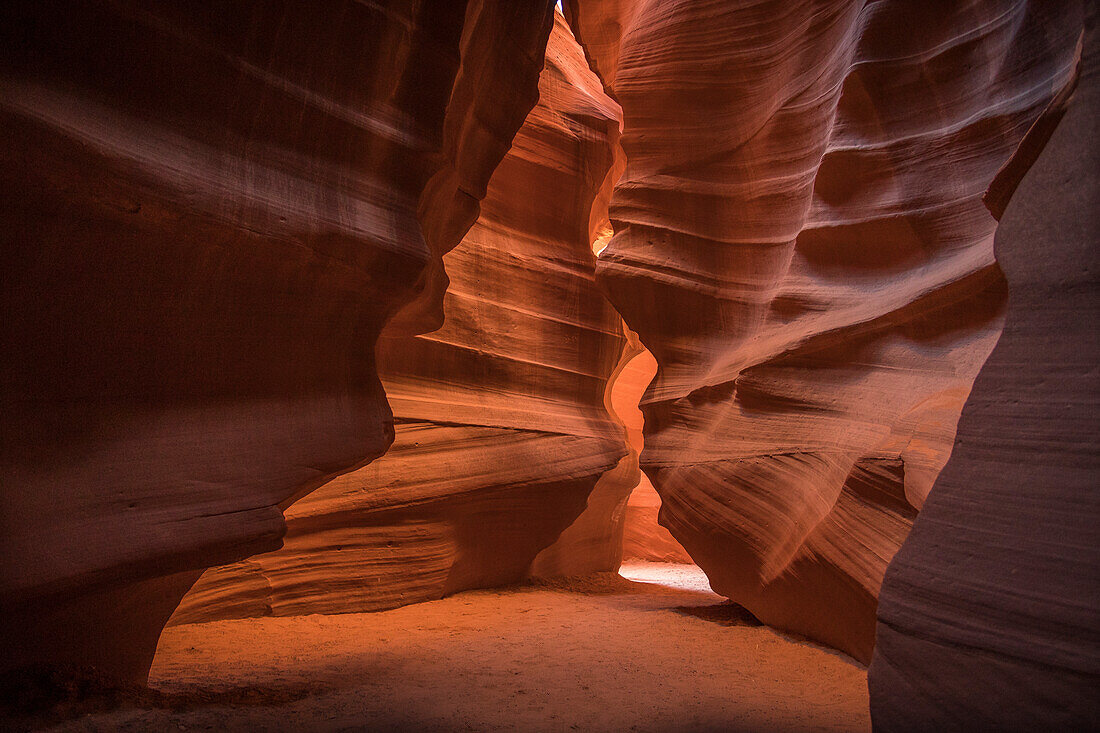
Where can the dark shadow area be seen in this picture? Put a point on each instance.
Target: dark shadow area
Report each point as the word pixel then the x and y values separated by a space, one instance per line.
pixel 734 614
pixel 33 698
pixel 723 614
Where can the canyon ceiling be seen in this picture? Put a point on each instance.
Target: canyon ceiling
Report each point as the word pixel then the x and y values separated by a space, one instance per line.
pixel 303 313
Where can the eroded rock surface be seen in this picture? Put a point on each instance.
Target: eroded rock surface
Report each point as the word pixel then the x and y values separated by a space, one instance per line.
pixel 990 613
pixel 503 430
pixel 593 543
pixel 642 537
pixel 800 242
pixel 209 210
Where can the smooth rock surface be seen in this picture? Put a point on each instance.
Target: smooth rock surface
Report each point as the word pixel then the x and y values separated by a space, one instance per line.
pixel 503 426
pixel 800 242
pixel 989 617
pixel 643 538
pixel 209 211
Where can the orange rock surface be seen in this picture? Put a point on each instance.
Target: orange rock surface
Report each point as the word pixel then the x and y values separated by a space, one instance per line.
pixel 800 242
pixel 642 537
pixel 209 212
pixel 990 613
pixel 236 233
pixel 502 427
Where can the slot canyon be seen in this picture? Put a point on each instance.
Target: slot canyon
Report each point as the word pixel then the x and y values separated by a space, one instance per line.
pixel 600 365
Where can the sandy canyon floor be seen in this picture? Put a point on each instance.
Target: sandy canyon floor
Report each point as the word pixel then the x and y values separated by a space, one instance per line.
pixel 654 650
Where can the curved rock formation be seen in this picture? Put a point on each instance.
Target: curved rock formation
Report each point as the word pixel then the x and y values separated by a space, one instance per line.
pixel 593 543
pixel 209 212
pixel 990 613
pixel 502 427
pixel 800 242
pixel 642 537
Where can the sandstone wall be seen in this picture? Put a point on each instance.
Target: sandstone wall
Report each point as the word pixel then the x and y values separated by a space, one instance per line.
pixel 642 537
pixel 503 430
pixel 209 210
pixel 990 613
pixel 800 242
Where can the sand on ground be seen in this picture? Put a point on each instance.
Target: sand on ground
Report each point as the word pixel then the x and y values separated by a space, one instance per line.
pixel 657 652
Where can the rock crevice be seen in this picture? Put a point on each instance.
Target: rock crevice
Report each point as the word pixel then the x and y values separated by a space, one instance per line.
pixel 504 434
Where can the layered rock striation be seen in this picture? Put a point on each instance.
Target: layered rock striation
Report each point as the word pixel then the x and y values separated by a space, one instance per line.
pixel 800 242
pixel 989 617
pixel 209 211
pixel 502 415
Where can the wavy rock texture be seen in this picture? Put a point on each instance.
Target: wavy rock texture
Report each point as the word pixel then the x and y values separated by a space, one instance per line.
pixel 502 427
pixel 990 613
pixel 642 537
pixel 593 543
pixel 801 244
pixel 209 212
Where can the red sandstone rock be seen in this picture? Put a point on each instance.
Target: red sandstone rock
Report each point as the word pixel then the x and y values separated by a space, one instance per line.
pixel 593 543
pixel 502 427
pixel 800 242
pixel 642 538
pixel 208 213
pixel 990 612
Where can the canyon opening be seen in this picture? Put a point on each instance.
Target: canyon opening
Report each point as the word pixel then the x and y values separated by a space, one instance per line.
pixel 603 365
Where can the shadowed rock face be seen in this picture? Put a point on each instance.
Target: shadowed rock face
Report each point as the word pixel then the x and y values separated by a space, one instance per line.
pixel 502 426
pixel 800 242
pixel 209 210
pixel 593 543
pixel 990 613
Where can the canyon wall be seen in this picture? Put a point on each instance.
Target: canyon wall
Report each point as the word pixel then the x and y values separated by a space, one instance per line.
pixel 209 211
pixel 800 242
pixel 502 421
pixel 643 538
pixel 990 613
pixel 213 212
pixel 594 542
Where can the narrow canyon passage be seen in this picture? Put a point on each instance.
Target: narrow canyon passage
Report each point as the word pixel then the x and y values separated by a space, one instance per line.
pixel 657 652
pixel 656 365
